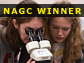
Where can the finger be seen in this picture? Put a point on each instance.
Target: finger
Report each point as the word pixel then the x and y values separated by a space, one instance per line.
pixel 29 61
pixel 33 62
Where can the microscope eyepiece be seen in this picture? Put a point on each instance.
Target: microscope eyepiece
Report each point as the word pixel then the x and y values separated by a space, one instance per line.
pixel 40 34
pixel 30 33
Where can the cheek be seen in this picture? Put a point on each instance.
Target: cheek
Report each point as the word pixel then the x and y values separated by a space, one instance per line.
pixel 52 31
pixel 23 34
pixel 67 33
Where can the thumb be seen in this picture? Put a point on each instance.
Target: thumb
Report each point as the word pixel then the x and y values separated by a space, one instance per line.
pixel 29 61
pixel 33 62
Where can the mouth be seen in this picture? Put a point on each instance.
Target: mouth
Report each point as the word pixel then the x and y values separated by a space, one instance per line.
pixel 59 38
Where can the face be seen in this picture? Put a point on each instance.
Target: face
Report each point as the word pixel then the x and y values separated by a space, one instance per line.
pixel 35 23
pixel 60 28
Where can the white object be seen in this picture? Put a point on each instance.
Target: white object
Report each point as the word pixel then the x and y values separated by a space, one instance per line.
pixel 41 54
pixel 45 44
pixel 32 46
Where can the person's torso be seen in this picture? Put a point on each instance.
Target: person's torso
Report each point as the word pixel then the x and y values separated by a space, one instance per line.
pixel 6 53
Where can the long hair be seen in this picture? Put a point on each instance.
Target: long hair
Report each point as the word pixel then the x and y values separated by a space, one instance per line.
pixel 12 34
pixel 72 44
pixel 82 32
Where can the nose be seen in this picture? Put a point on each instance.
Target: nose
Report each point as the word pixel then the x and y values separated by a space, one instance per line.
pixel 34 32
pixel 60 32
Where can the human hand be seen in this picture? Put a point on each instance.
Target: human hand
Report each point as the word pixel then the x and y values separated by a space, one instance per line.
pixel 57 62
pixel 30 61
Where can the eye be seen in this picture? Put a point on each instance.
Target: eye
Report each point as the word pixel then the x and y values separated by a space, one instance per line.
pixel 65 29
pixel 55 27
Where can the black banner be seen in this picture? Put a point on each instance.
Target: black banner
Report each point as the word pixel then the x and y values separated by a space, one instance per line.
pixel 41 10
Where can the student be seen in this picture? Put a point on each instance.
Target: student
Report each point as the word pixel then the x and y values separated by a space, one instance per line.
pixel 13 37
pixel 64 35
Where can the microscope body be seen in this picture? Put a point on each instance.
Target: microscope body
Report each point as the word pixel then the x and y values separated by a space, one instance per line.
pixel 39 54
pixel 39 51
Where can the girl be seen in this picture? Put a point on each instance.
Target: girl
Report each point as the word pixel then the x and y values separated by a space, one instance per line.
pixel 64 35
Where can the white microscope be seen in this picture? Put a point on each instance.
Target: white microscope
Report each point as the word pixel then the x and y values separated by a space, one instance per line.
pixel 38 50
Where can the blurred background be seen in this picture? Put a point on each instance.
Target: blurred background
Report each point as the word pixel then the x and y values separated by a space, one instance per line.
pixel 40 1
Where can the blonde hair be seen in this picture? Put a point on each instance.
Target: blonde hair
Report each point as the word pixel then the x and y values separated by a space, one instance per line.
pixel 72 44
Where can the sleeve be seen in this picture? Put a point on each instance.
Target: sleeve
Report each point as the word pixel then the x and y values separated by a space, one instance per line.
pixel 1 46
pixel 81 60
pixel 6 53
pixel 1 52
